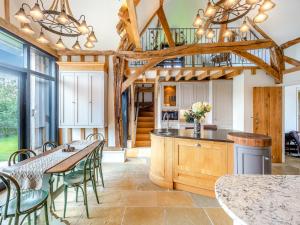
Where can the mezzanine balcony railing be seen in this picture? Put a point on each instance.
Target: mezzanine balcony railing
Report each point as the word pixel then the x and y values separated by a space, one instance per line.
pixel 155 39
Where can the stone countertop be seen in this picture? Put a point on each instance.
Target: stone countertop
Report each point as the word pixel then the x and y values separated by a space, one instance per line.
pixel 207 135
pixel 260 199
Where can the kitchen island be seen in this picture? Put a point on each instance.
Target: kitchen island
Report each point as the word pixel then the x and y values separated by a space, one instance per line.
pixel 184 161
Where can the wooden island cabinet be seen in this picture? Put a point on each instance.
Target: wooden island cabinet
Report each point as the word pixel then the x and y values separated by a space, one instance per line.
pixel 180 160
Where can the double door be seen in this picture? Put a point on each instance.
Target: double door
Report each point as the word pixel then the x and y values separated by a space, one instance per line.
pixel 82 99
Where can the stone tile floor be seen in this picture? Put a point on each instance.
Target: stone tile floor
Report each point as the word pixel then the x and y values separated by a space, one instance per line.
pixel 130 198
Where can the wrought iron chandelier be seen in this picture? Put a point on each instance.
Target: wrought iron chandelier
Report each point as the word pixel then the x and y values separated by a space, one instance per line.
pixel 58 19
pixel 228 11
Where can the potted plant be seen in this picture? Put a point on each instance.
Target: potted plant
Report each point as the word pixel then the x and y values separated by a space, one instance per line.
pixel 197 114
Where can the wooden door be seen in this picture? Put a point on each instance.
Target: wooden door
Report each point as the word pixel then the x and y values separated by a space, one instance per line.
pixel 81 99
pixel 267 117
pixel 96 114
pixel 67 99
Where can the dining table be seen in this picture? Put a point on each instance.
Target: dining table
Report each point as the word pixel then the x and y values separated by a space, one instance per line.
pixel 37 172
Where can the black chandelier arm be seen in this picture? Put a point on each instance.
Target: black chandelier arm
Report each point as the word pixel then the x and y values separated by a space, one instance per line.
pixel 25 4
pixel 200 10
pixel 42 4
pixel 81 17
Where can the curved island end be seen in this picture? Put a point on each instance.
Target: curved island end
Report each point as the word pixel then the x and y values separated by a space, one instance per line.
pixel 184 161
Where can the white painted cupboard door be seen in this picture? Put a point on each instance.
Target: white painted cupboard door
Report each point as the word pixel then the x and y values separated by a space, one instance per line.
pixel 201 92
pixel 97 99
pixel 81 99
pixel 67 99
pixel 222 103
pixel 187 96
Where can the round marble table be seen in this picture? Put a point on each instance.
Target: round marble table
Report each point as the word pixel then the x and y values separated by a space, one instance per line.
pixel 260 199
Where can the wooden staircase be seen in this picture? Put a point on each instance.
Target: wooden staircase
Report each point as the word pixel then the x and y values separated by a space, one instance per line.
pixel 145 124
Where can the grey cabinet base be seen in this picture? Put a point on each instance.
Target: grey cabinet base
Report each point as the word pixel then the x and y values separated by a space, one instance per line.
pixel 252 160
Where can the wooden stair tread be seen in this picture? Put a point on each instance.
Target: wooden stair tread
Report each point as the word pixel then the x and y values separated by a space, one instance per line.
pixel 145 119
pixel 143 143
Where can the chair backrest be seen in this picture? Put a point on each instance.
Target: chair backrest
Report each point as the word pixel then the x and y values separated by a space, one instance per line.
pixel 295 137
pixel 8 181
pixel 97 136
pixel 49 145
pixel 99 153
pixel 91 162
pixel 21 154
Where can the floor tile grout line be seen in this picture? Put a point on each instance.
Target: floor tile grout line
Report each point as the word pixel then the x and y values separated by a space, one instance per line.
pixel 208 216
pixel 125 208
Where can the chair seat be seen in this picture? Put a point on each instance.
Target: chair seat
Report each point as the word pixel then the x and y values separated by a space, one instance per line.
pixel 80 165
pixel 29 200
pixel 75 177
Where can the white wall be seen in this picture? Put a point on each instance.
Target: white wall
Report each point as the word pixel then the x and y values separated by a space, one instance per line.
pixel 243 97
pixel 290 107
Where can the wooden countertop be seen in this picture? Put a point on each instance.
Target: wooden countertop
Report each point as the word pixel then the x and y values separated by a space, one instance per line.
pixel 250 139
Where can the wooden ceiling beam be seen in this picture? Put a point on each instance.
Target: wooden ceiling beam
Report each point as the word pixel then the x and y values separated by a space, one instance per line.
pixel 168 76
pixel 291 70
pixel 217 75
pixel 203 75
pixel 232 74
pixel 258 29
pixel 189 75
pixel 291 61
pixel 132 78
pixel 260 63
pixel 290 43
pixel 7 10
pixel 179 75
pixel 195 49
pixel 164 23
pixel 85 52
pixel 134 24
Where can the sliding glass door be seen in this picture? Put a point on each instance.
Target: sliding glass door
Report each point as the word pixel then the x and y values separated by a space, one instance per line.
pixel 10 92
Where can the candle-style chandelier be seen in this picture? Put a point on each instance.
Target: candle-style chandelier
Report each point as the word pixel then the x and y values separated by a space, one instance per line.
pixel 59 20
pixel 227 11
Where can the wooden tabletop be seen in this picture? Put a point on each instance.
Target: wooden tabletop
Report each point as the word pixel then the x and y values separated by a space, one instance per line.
pixel 250 139
pixel 70 162
pixel 65 165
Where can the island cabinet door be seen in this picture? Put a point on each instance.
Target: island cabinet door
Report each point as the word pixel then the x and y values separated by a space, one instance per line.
pixel 161 161
pixel 199 163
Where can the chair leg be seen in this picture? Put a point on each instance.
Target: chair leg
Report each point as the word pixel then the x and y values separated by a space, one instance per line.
pixel 66 199
pixel 101 175
pixel 35 218
pixel 57 181
pixel 95 189
pixel 77 194
pixel 10 221
pixel 29 219
pixel 46 213
pixel 17 219
pixel 51 196
pixel 85 200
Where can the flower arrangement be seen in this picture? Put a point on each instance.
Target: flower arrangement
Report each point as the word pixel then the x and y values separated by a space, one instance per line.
pixel 198 112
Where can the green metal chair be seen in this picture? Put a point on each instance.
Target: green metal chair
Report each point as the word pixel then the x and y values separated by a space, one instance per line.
pixel 79 178
pixel 98 165
pixel 98 136
pixel 21 203
pixel 47 146
pixel 20 155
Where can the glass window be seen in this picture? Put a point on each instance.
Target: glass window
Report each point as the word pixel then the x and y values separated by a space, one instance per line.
pixel 9 114
pixel 40 62
pixel 12 51
pixel 42 106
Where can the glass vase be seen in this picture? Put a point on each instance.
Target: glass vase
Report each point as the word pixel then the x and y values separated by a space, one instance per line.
pixel 197 127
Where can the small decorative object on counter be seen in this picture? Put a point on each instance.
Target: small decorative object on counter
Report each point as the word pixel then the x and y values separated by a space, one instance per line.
pixel 68 148
pixel 198 114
